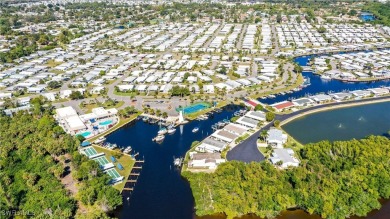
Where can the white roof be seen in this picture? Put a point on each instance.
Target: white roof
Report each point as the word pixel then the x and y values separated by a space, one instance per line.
pixel 75 123
pixel 66 112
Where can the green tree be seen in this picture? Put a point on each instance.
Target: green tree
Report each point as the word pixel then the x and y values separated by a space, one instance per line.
pixel 269 116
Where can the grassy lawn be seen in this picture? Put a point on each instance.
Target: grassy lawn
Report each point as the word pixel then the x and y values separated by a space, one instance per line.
pixel 125 160
pixel 88 107
pixel 242 138
pixel 264 151
pixel 293 144
pixel 130 94
pixel 52 63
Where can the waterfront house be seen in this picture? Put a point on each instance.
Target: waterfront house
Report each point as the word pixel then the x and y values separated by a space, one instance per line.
pixel 256 115
pixel 282 105
pixel 361 93
pixel 284 157
pixel 223 135
pixel 205 160
pixel 276 138
pixel 247 122
pixel 302 102
pixel 235 129
pixel 211 145
pixel 341 96
pixel 321 98
pixel 379 91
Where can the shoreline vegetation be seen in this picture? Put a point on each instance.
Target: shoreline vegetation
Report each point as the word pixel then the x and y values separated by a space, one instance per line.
pixel 43 173
pixel 331 181
pixel 225 190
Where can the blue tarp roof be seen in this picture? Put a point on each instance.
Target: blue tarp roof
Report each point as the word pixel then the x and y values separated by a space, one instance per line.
pixel 120 166
pixel 85 143
pixel 113 159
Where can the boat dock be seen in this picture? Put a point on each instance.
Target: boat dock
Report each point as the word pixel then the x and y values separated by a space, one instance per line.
pixel 133 176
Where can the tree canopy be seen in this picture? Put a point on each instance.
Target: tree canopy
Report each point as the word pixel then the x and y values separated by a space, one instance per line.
pixel 31 169
pixel 334 180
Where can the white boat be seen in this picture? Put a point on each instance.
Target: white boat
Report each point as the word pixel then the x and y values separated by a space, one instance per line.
pixel 100 140
pixel 127 150
pixel 196 129
pixel 325 77
pixel 159 138
pixel 202 117
pixel 171 130
pixel 162 131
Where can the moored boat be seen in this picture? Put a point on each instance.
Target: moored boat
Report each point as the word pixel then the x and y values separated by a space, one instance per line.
pixel 162 131
pixel 127 150
pixel 171 130
pixel 100 140
pixel 196 129
pixel 159 138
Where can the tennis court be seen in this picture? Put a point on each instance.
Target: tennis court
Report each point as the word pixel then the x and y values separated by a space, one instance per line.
pixel 90 151
pixel 101 160
pixel 113 173
pixel 194 108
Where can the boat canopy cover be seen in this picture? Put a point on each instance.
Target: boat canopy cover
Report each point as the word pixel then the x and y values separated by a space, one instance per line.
pixel 85 144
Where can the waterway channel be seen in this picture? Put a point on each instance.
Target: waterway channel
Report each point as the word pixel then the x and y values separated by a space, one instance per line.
pixel 162 193
pixel 318 85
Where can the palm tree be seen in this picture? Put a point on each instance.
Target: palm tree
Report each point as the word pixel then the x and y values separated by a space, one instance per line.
pixel 264 135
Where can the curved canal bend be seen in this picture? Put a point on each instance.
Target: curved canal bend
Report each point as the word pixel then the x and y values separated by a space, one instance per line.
pixel 319 85
pixel 160 191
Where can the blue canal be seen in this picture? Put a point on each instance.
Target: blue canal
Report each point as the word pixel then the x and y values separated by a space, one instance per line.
pixel 317 85
pixel 160 191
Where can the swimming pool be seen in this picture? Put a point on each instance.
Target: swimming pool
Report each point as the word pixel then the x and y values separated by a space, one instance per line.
pixel 85 134
pixel 194 108
pixel 367 16
pixel 107 122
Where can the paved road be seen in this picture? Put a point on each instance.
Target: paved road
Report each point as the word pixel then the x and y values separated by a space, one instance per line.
pixel 247 150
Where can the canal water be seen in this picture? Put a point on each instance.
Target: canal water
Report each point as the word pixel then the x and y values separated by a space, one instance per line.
pixel 161 192
pixel 341 124
pixel 318 85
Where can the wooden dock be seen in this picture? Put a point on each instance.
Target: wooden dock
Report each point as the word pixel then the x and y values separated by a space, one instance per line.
pixel 133 177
